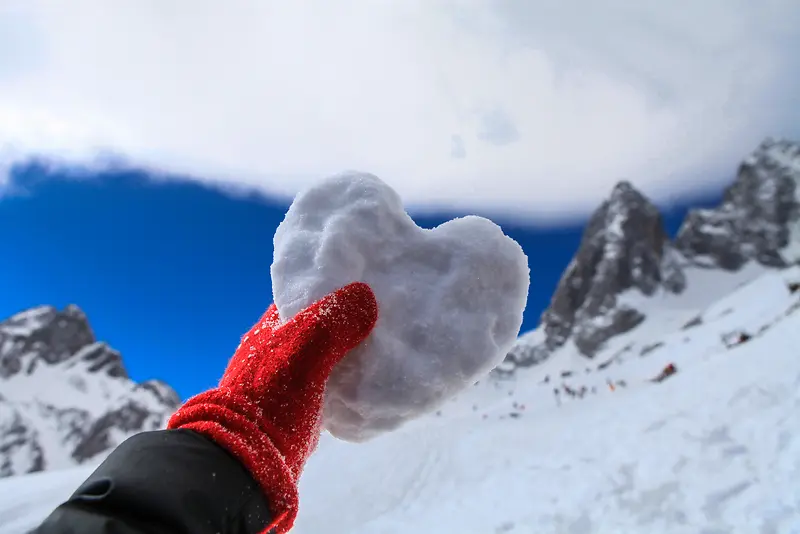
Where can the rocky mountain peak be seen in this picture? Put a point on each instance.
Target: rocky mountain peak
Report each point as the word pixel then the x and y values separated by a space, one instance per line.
pixel 47 336
pixel 626 193
pixel 757 217
pixel 624 246
pixel 66 398
pixel 41 335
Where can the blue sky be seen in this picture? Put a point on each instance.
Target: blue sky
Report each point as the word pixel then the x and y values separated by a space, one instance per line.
pixel 173 273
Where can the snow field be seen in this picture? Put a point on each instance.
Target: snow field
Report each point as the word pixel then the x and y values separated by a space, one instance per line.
pixel 711 450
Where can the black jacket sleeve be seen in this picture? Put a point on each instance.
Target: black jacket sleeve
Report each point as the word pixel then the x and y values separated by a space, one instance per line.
pixel 164 482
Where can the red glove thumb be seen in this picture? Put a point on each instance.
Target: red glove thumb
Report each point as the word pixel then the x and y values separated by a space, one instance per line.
pixel 267 409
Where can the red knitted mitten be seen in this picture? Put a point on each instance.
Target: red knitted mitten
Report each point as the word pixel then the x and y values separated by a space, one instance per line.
pixel 267 409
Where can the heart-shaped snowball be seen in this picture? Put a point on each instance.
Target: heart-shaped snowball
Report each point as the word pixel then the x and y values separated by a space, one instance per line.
pixel 450 299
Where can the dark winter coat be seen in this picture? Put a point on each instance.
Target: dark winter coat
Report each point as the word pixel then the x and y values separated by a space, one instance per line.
pixel 164 482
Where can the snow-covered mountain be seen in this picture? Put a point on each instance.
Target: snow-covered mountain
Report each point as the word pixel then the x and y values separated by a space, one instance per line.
pixel 625 248
pixel 758 215
pixel 65 398
pixel 572 434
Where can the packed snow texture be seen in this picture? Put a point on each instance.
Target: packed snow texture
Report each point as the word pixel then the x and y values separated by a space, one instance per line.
pixel 713 449
pixel 450 299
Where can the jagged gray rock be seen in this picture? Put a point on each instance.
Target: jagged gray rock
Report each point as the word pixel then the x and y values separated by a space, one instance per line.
pixel 20 451
pixel 756 216
pixel 529 350
pixel 129 418
pixel 623 247
pixel 163 392
pixel 66 396
pixel 41 335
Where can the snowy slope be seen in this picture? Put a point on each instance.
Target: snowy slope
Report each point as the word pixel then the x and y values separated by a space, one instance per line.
pixel 713 449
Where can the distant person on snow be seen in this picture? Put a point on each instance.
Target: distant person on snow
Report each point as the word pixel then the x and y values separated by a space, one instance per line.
pixel 735 338
pixel 231 457
pixel 667 372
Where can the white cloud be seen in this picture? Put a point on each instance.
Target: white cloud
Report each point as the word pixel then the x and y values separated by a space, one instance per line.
pixel 548 102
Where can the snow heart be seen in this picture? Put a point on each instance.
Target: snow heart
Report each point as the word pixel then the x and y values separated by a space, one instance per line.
pixel 450 299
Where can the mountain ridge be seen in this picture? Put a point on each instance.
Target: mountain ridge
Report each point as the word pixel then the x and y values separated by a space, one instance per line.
pixel 625 246
pixel 47 356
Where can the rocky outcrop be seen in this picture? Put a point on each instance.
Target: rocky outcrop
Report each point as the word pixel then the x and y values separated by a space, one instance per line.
pixel 41 335
pixel 757 215
pixel 67 398
pixel 530 349
pixel 128 419
pixel 623 247
pixel 20 451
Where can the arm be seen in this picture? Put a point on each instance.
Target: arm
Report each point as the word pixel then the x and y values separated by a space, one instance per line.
pixel 231 461
pixel 164 482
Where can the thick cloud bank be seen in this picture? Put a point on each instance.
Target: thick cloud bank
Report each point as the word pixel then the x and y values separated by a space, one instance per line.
pixel 533 106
